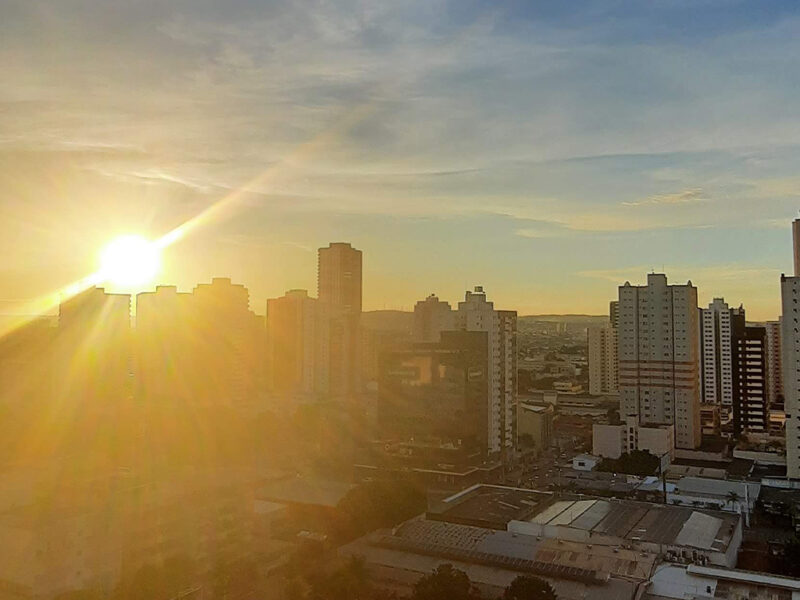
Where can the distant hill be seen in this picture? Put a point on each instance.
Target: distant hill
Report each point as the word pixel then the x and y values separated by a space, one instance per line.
pixel 388 320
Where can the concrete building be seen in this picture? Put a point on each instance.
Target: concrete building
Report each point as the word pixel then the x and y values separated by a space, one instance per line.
pixel 750 405
pixel 602 357
pixel 611 441
pixel 475 313
pixel 164 344
pixel 339 289
pixel 431 317
pixel 535 426
pixel 227 356
pixel 774 364
pixel 297 344
pixel 717 356
pixel 790 344
pixel 680 581
pixel 659 356
pixel 587 548
pixel 437 390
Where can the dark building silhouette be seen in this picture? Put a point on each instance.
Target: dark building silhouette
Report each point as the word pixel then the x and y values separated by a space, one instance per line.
pixel 749 353
pixel 436 390
pixel 204 347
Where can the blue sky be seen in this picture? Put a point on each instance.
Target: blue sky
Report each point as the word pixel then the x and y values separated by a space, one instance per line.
pixel 549 151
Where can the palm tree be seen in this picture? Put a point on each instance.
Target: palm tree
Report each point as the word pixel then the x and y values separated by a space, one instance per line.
pixel 732 498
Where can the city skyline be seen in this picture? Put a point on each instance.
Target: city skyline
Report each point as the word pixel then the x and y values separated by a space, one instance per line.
pixel 547 153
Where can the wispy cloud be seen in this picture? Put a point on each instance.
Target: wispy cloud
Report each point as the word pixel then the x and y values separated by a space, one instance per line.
pixel 692 196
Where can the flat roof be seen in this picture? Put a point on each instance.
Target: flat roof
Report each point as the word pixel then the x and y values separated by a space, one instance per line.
pixel 643 521
pixel 490 506
pixel 298 490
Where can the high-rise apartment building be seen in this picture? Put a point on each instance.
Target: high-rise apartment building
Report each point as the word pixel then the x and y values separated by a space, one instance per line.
pixel 431 317
pixel 774 364
pixel 749 358
pixel 717 355
pixel 297 344
pixel 659 356
pixel 602 354
pixel 790 344
pixel 437 390
pixel 339 289
pixel 164 344
pixel 475 313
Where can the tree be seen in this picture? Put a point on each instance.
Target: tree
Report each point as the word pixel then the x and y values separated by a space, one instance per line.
pixel 349 582
pixel 789 561
pixel 527 587
pixel 445 583
pixel 731 498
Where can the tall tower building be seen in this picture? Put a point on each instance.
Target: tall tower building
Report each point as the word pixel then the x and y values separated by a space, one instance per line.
pixel 602 354
pixel 164 344
pixel 339 289
pixel 717 356
pixel 749 349
pixel 475 313
pixel 659 356
pixel 790 343
pixel 297 342
pixel 774 364
pixel 602 358
pixel 431 317
pixel 228 343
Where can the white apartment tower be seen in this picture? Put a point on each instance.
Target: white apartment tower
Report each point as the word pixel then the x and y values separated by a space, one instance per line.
pixel 717 357
pixel 790 343
pixel 602 355
pixel 659 358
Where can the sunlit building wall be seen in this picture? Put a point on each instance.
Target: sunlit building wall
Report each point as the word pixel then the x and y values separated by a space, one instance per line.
pixel 659 356
pixel 339 289
pixel 297 337
pixel 164 344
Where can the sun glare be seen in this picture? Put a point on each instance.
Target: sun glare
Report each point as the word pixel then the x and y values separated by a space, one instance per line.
pixel 129 260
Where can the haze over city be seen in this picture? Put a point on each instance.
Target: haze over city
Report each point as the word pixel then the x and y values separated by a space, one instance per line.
pixel 370 300
pixel 547 152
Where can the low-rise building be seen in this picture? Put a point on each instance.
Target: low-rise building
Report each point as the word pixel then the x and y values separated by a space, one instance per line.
pixel 611 441
pixel 535 426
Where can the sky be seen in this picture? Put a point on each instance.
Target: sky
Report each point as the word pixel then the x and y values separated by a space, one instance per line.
pixel 548 151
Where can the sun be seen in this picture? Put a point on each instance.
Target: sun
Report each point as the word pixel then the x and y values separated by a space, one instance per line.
pixel 129 260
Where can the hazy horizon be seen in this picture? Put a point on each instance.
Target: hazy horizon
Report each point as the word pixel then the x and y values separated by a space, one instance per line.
pixel 548 153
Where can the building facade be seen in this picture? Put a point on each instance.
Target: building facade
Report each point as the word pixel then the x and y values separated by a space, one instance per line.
pixel 659 356
pixel 437 391
pixel 602 358
pixel 339 290
pixel 750 406
pixel 790 344
pixel 297 343
pixel 717 356
pixel 475 313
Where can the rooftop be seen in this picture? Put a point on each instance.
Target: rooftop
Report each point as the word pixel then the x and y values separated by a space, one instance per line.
pixel 490 506
pixel 643 521
pixel 298 490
